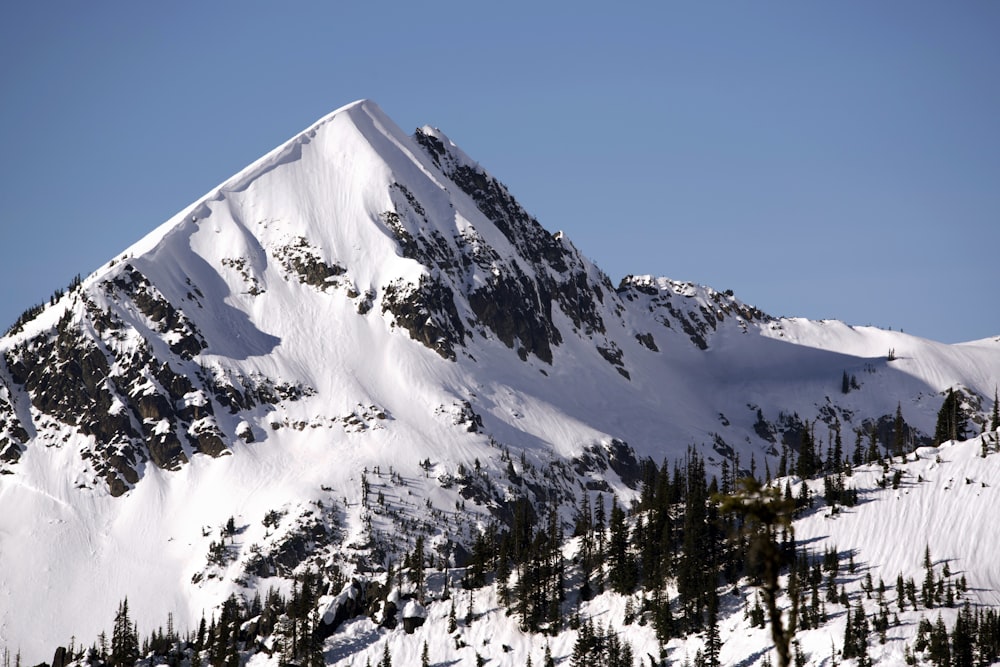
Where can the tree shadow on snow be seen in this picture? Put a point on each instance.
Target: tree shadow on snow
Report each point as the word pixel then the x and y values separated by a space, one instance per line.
pixel 752 658
pixel 346 646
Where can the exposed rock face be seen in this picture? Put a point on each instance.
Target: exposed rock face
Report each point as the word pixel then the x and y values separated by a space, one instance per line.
pixel 165 318
pixel 13 436
pixel 93 375
pixel 348 604
pixel 414 615
pixel 67 379
pixel 303 261
pixel 426 310
pixel 512 303
pixel 698 312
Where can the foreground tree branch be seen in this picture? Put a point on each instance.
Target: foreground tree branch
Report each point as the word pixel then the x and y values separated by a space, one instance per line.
pixel 763 512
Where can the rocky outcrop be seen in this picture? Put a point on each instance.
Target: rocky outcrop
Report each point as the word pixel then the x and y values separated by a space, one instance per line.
pixel 696 311
pixel 93 373
pixel 333 611
pixel 13 435
pixel 427 311
pixel 510 302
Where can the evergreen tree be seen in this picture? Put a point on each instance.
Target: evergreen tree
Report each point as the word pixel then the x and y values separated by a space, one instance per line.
pixel 951 420
pixel 417 567
pixel 995 421
pixel 898 432
pixel 848 650
pixel 583 647
pixel 856 635
pixel 600 520
pixel 962 639
pixel 583 522
pixel 927 590
pixel 622 565
pixel 698 565
pixel 940 646
pixel 838 449
pixel 124 639
pixel 806 466
pixel 873 454
pixel 713 644
pixel 452 621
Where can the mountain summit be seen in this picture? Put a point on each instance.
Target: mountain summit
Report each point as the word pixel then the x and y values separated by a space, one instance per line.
pixel 363 300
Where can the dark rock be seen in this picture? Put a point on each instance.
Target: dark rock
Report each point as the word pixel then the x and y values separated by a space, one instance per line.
pixel 59 659
pixel 412 623
pixel 515 311
pixel 646 340
pixel 427 311
pixel 350 603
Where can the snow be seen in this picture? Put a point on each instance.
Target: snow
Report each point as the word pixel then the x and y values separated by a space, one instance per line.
pixel 328 604
pixel 887 534
pixel 414 609
pixel 77 552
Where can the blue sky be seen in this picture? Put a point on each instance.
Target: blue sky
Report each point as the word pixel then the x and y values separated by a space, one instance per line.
pixel 822 159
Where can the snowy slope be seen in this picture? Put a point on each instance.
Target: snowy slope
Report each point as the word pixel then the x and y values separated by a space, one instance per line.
pixel 943 504
pixel 361 299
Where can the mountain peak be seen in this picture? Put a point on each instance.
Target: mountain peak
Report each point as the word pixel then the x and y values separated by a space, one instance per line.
pixel 356 300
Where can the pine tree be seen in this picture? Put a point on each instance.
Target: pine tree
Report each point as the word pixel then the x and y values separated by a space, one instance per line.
pixel 873 454
pixel 962 640
pixel 452 621
pixel 425 656
pixel 599 524
pixel 995 422
pixel 806 466
pixel 856 635
pixel 713 643
pixel 417 567
pixel 927 590
pixel 951 420
pixel 627 655
pixel 583 648
pixel 583 522
pixel 859 453
pixel 848 650
pixel 386 658
pixel 622 565
pixel 940 646
pixel 124 639
pixel 898 432
pixel 838 449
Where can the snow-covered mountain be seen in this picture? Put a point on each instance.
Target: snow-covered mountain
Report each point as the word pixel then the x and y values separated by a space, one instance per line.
pixel 364 312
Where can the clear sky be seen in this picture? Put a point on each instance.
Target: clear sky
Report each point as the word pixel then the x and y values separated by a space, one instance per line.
pixel 822 159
